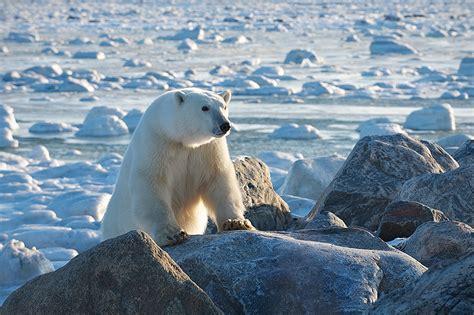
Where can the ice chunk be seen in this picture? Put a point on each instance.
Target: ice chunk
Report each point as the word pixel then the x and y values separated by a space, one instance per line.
pixel 295 132
pixel 72 170
pixel 380 129
pixel 39 153
pixel 196 33
pixel 89 55
pixel 222 71
pixel 382 46
pixel 103 126
pixel 132 119
pixel 136 63
pixel 241 39
pixel 308 178
pixel 437 117
pixel 281 160
pixel 466 67
pixel 46 127
pixel 318 88
pixel 188 45
pixel 80 203
pixel 298 55
pixel 7 117
pixel 6 139
pixel 59 253
pixel 22 37
pixel 20 264
pixel 453 141
pixel 53 70
pixel 269 71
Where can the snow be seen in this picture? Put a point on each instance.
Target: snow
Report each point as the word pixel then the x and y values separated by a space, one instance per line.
pixel 47 127
pixel 6 139
pixel 308 178
pixel 295 132
pixel 196 33
pixel 436 117
pixel 89 55
pixel 278 159
pixel 137 63
pixel 22 37
pixel 318 88
pixel 132 119
pixel 39 153
pixel 7 117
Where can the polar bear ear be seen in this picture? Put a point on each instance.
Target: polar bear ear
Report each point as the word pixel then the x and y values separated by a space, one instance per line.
pixel 179 97
pixel 227 95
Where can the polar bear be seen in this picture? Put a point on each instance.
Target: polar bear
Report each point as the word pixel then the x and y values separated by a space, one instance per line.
pixel 177 171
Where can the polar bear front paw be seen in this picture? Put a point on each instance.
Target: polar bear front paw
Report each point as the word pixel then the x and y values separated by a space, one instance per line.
pixel 237 224
pixel 177 238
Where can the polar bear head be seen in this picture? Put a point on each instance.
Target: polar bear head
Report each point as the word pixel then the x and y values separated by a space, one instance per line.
pixel 200 116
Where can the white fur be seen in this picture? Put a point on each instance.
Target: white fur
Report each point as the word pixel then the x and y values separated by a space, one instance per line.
pixel 177 170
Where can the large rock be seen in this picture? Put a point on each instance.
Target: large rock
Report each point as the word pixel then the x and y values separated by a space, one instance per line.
pixel 465 154
pixel 309 177
pixel 324 271
pixel 325 220
pixel 444 289
pixel 401 218
pixel 129 274
pixel 373 174
pixel 451 192
pixel 434 242
pixel 265 208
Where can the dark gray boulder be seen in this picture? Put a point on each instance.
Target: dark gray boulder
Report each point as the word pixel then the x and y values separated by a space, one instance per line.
pixel 265 208
pixel 324 271
pixel 451 192
pixel 446 288
pixel 401 218
pixel 434 242
pixel 374 173
pixel 128 274
pixel 465 153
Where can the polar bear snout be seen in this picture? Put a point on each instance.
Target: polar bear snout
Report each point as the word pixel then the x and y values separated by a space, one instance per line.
pixel 225 127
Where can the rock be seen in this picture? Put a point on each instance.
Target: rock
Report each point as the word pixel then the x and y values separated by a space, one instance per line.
pixel 295 132
pixel 383 46
pixel 325 271
pixel 129 274
pixel 265 208
pixel 443 289
pixel 467 66
pixel 373 174
pixel 309 177
pixel 465 154
pixel 434 242
pixel 325 220
pixel 452 192
pixel 297 56
pixel 401 218
pixel 437 117
pixel 318 88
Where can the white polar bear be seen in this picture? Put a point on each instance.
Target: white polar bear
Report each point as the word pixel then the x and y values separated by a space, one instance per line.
pixel 177 171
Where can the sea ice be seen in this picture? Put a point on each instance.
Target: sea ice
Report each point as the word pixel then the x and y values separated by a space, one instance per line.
pixel 466 67
pixel 188 45
pixel 89 55
pixel 6 139
pixel 297 56
pixel 102 126
pixel 380 129
pixel 388 46
pixel 47 127
pixel 318 88
pixel 132 119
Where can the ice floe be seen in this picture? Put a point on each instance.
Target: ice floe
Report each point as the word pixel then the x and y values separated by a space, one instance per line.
pixel 436 117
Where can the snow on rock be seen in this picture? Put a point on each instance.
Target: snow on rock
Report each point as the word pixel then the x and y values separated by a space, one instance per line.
pixel 20 264
pixel 89 55
pixel 132 119
pixel 46 127
pixel 39 153
pixel 466 67
pixel 6 139
pixel 22 37
pixel 136 63
pixel 383 46
pixel 7 117
pixel 295 132
pixel 436 117
pixel 318 88
pixel 308 178
pixel 297 56
pixel 196 33
pixel 188 45
pixel 380 129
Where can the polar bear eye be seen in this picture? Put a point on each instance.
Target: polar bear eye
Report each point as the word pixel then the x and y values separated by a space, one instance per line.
pixel 205 108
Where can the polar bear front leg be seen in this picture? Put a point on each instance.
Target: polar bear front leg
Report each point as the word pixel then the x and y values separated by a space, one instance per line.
pixel 224 203
pixel 154 214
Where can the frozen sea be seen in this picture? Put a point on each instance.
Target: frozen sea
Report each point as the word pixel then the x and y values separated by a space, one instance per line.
pixel 55 206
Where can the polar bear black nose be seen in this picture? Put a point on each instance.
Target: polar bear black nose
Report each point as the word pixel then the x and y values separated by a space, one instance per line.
pixel 225 127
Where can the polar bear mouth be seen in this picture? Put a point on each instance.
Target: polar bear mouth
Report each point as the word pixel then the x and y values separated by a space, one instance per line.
pixel 220 133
